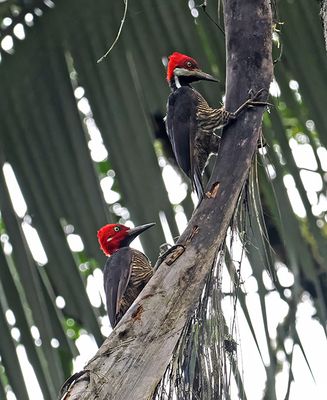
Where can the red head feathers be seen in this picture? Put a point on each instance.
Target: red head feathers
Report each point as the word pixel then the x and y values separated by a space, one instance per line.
pixel 112 237
pixel 178 60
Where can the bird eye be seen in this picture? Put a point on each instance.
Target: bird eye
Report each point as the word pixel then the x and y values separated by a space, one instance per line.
pixel 189 64
pixel 116 229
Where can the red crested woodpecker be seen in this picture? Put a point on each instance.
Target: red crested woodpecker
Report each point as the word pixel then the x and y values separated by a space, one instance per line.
pixel 126 271
pixel 191 123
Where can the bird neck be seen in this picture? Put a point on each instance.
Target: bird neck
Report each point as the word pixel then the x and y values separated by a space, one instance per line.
pixel 177 82
pixel 113 248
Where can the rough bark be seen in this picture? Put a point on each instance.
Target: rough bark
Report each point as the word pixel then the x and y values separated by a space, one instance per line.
pixel 133 359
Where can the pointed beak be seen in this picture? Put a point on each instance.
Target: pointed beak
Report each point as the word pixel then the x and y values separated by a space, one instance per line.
pixel 194 75
pixel 134 232
pixel 200 75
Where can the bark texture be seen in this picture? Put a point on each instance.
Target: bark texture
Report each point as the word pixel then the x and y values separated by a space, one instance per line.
pixel 133 359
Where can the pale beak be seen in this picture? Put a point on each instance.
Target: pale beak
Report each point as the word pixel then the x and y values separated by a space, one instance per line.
pixel 195 74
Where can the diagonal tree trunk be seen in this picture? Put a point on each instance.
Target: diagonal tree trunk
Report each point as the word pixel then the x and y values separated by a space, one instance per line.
pixel 133 359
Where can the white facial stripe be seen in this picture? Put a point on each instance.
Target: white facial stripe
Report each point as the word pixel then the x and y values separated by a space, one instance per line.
pixel 109 239
pixel 178 85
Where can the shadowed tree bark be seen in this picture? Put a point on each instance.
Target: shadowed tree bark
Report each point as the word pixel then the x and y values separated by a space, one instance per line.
pixel 133 359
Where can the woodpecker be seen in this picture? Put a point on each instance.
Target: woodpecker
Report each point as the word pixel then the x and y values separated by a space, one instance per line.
pixel 126 271
pixel 191 123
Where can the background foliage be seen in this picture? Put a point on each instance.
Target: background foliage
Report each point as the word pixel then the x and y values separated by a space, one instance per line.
pixel 86 144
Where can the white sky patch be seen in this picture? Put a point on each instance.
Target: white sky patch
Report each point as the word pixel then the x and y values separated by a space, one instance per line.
pixel 180 219
pixel 106 329
pixel 35 332
pixel 312 197
pixel 322 154
pixel 34 243
pixel 98 151
pixel 267 281
pixel 54 343
pixel 274 89
pixel 176 188
pixel 15 334
pixel 32 385
pixel 165 227
pixel 16 195
pixel 311 180
pixel 303 155
pixel 19 31
pixel 75 242
pixel 194 12
pixel 110 196
pixel 194 198
pixel 11 396
pixel 7 21
pixel 87 348
pixel 10 317
pixel 238 254
pixel 98 277
pixel 248 356
pixel 79 92
pixel 84 106
pixel 7 44
pixel 282 381
pixel 294 196
pixel 29 19
pixel 294 85
pixel 93 292
pixel 288 343
pixel 285 276
pixel 69 228
pixel 254 307
pixel 271 171
pixel 250 285
pixel 276 310
pixel 136 243
pixel 92 129
pixel 60 302
pixel 321 206
pixel 310 125
pixel 315 346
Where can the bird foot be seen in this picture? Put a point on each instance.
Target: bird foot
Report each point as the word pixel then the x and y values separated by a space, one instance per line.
pixel 251 102
pixel 170 255
pixel 254 101
pixel 255 96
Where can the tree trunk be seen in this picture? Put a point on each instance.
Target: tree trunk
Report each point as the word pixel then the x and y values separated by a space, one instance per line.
pixel 133 359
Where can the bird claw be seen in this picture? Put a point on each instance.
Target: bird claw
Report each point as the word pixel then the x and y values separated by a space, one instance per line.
pixel 253 104
pixel 254 96
pixel 170 255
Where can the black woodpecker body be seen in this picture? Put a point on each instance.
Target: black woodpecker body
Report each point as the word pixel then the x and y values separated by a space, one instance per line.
pixel 126 271
pixel 191 123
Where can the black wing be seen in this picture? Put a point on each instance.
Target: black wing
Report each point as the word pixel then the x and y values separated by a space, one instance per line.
pixel 116 275
pixel 181 125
